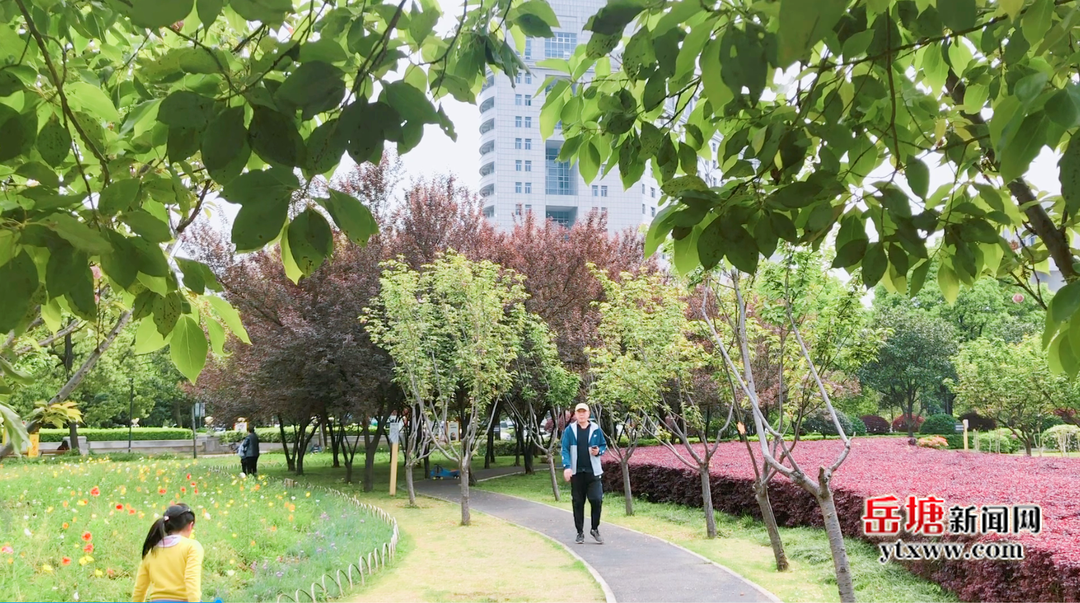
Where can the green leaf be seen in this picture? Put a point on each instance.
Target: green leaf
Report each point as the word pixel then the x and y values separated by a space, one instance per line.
pixel 918 177
pixel 143 305
pixel 685 253
pixel 225 149
pixel 64 269
pixel 267 11
pixel 217 336
pixel 1036 20
pixel 315 87
pixel 54 142
pixel 183 142
pixel 292 271
pixel 78 233
pixel 13 132
pixel 1022 150
pixel 159 13
pixel 1065 303
pixel 147 338
pixel 874 264
pixel 948 282
pixel 230 316
pixel 711 244
pixel 188 348
pixel 310 240
pixel 535 18
pixel 323 50
pixel 20 278
pixel 1063 108
pixel 186 109
pixel 718 93
pixel 93 100
pixel 167 310
pixel 352 217
pixel 198 276
pixel 274 137
pixel 325 147
pixel 741 248
pixel 958 15
pixel 600 44
pixel 147 226
pixel 918 277
pixel 209 10
pixel 676 186
pixel 1069 175
pixel 743 61
pixel 803 23
pixel 589 161
pixel 118 196
pixel 264 202
pixel 614 17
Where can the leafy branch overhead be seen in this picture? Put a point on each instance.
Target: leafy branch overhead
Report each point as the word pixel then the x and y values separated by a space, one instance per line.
pixel 121 119
pixel 903 128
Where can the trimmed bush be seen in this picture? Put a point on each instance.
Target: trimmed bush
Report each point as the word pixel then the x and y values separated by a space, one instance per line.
pixel 999 440
pixel 935 441
pixel 900 424
pixel 939 424
pixel 857 426
pixel 1056 436
pixel 956 441
pixel 977 422
pixel 118 434
pixel 820 421
pixel 875 425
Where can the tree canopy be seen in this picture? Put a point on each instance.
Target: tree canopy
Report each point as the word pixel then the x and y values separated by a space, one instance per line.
pixel 779 121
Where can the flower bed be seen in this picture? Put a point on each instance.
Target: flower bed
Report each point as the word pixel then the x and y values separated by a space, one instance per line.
pixel 78 528
pixel 878 466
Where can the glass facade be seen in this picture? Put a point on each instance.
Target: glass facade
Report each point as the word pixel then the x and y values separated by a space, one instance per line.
pixel 561 46
pixel 558 174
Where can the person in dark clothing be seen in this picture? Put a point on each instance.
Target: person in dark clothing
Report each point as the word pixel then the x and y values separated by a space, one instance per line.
pixel 583 444
pixel 249 458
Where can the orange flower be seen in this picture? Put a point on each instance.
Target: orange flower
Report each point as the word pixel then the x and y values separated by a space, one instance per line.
pixel 183 490
pixel 89 548
pixel 94 491
pixel 161 491
pixel 119 507
pixel 64 525
pixel 87 536
pixel 65 561
pixel 131 511
pixel 189 477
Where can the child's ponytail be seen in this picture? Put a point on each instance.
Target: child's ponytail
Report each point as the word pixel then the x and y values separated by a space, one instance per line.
pixel 176 518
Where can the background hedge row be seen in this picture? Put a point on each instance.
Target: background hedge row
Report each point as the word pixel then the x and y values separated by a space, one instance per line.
pixel 118 434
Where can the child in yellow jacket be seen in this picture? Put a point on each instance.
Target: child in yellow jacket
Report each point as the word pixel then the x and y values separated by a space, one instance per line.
pixel 171 567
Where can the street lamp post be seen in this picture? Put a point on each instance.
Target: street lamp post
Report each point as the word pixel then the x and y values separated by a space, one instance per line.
pixel 131 411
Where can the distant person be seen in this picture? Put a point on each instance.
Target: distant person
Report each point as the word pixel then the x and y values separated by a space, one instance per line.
pixel 249 452
pixel 582 445
pixel 171 566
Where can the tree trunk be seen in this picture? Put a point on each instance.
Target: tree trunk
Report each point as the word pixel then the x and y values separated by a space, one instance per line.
pixel 1027 447
pixel 289 459
pixel 706 501
pixel 465 488
pixel 624 464
pixel 489 454
pixel 409 483
pixel 369 464
pixel 519 448
pixel 761 493
pixel 554 477
pixel 73 434
pixel 529 445
pixel 827 504
pixel 348 471
pixel 335 441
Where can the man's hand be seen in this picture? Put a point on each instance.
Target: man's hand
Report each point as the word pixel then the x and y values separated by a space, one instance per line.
pixel 595 450
pixel 567 474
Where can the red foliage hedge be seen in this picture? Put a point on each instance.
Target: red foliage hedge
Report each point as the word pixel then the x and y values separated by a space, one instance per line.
pixel 875 424
pixel 900 423
pixel 878 466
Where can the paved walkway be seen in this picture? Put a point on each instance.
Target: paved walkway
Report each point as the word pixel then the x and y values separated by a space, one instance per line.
pixel 630 566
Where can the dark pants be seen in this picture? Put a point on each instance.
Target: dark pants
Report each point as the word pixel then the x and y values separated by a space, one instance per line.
pixel 249 465
pixel 582 486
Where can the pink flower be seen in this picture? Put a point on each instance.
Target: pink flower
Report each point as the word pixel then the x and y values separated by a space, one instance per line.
pixel 7 549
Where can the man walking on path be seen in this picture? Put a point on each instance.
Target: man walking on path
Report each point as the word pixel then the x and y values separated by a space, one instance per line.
pixel 582 445
pixel 249 458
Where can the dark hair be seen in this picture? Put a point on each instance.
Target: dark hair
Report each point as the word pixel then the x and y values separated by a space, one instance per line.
pixel 176 518
pixel 251 427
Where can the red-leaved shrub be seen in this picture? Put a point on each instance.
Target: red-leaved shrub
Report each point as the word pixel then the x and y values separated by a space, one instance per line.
pixel 900 423
pixel 977 422
pixel 875 424
pixel 1050 570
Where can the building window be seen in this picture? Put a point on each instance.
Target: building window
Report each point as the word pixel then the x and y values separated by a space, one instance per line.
pixel 528 165
pixel 517 99
pixel 517 79
pixel 489 82
pixel 528 121
pixel 517 145
pixel 528 48
pixel 528 78
pixel 652 212
pixel 558 126
pixel 603 210
pixel 489 211
pixel 643 209
pixel 561 46
pixel 652 191
pixel 528 191
pixel 595 191
pixel 561 217
pixel 517 165
pixel 603 191
pixel 517 187
pixel 643 192
pixel 528 100
pixel 528 144
pixel 517 121
pixel 558 173
pixel 528 208
pixel 517 209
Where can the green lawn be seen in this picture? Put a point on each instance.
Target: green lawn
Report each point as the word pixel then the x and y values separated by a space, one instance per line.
pixel 743 546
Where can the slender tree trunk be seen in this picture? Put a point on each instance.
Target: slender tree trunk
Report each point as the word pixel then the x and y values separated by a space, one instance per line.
pixel 348 471
pixel 554 476
pixel 827 504
pixel 409 486
pixel 73 435
pixel 369 464
pixel 761 493
pixel 465 462
pixel 289 459
pixel 489 455
pixel 519 448
pixel 529 445
pixel 706 500
pixel 624 464
pixel 335 442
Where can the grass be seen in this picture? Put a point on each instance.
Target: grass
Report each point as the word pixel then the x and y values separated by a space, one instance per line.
pixel 743 546
pixel 71 531
pixel 440 560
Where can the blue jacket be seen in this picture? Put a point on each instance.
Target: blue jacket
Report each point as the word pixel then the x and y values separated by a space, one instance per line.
pixel 569 447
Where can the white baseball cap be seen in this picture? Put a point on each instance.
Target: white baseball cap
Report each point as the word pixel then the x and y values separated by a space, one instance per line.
pixel 581 406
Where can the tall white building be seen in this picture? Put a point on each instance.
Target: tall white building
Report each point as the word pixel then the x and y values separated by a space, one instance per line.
pixel 518 171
